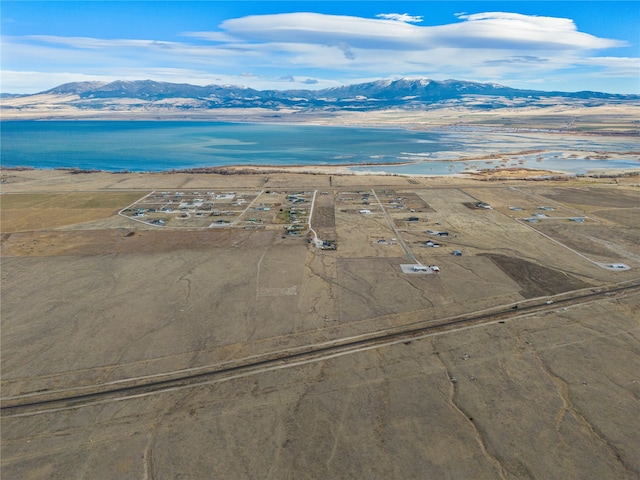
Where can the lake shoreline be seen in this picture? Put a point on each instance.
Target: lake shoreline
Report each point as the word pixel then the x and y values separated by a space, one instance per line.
pixel 493 174
pixel 390 149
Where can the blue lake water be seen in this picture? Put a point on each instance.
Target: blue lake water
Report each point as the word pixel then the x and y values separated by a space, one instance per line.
pixel 161 146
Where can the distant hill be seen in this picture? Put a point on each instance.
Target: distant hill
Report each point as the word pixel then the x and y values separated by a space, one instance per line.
pixel 10 95
pixel 409 94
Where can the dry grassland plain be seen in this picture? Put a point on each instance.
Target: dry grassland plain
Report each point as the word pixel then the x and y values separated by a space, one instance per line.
pixel 134 350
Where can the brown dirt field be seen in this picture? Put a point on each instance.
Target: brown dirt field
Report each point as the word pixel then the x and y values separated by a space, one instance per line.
pixel 410 199
pixel 474 279
pixel 82 200
pixel 103 242
pixel 133 313
pixel 40 219
pixel 391 412
pixel 627 217
pixel 24 212
pixel 536 280
pixel 324 217
pixel 601 241
pixel 597 197
pixel 373 287
pixel 551 394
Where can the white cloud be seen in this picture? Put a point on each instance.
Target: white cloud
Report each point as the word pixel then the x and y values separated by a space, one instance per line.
pixel 309 47
pixel 89 45
pixel 319 29
pixel 98 43
pixel 615 66
pixel 509 30
pixel 484 30
pixel 400 17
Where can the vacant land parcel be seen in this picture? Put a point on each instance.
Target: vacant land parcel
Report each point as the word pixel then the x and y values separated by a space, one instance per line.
pixel 135 349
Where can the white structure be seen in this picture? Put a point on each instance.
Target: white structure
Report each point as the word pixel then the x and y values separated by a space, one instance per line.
pixel 418 268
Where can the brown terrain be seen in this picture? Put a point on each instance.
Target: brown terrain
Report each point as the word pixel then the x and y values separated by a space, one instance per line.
pixel 193 326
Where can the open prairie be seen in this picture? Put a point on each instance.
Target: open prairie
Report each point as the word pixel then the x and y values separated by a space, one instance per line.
pixel 273 326
pixel 36 211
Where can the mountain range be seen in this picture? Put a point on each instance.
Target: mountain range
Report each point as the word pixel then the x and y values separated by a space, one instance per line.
pixel 409 94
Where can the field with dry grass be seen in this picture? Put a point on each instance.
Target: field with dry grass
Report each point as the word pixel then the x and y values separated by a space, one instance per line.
pixel 36 211
pixel 247 324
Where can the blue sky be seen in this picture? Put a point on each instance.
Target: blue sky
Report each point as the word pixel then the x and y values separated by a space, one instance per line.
pixel 545 45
